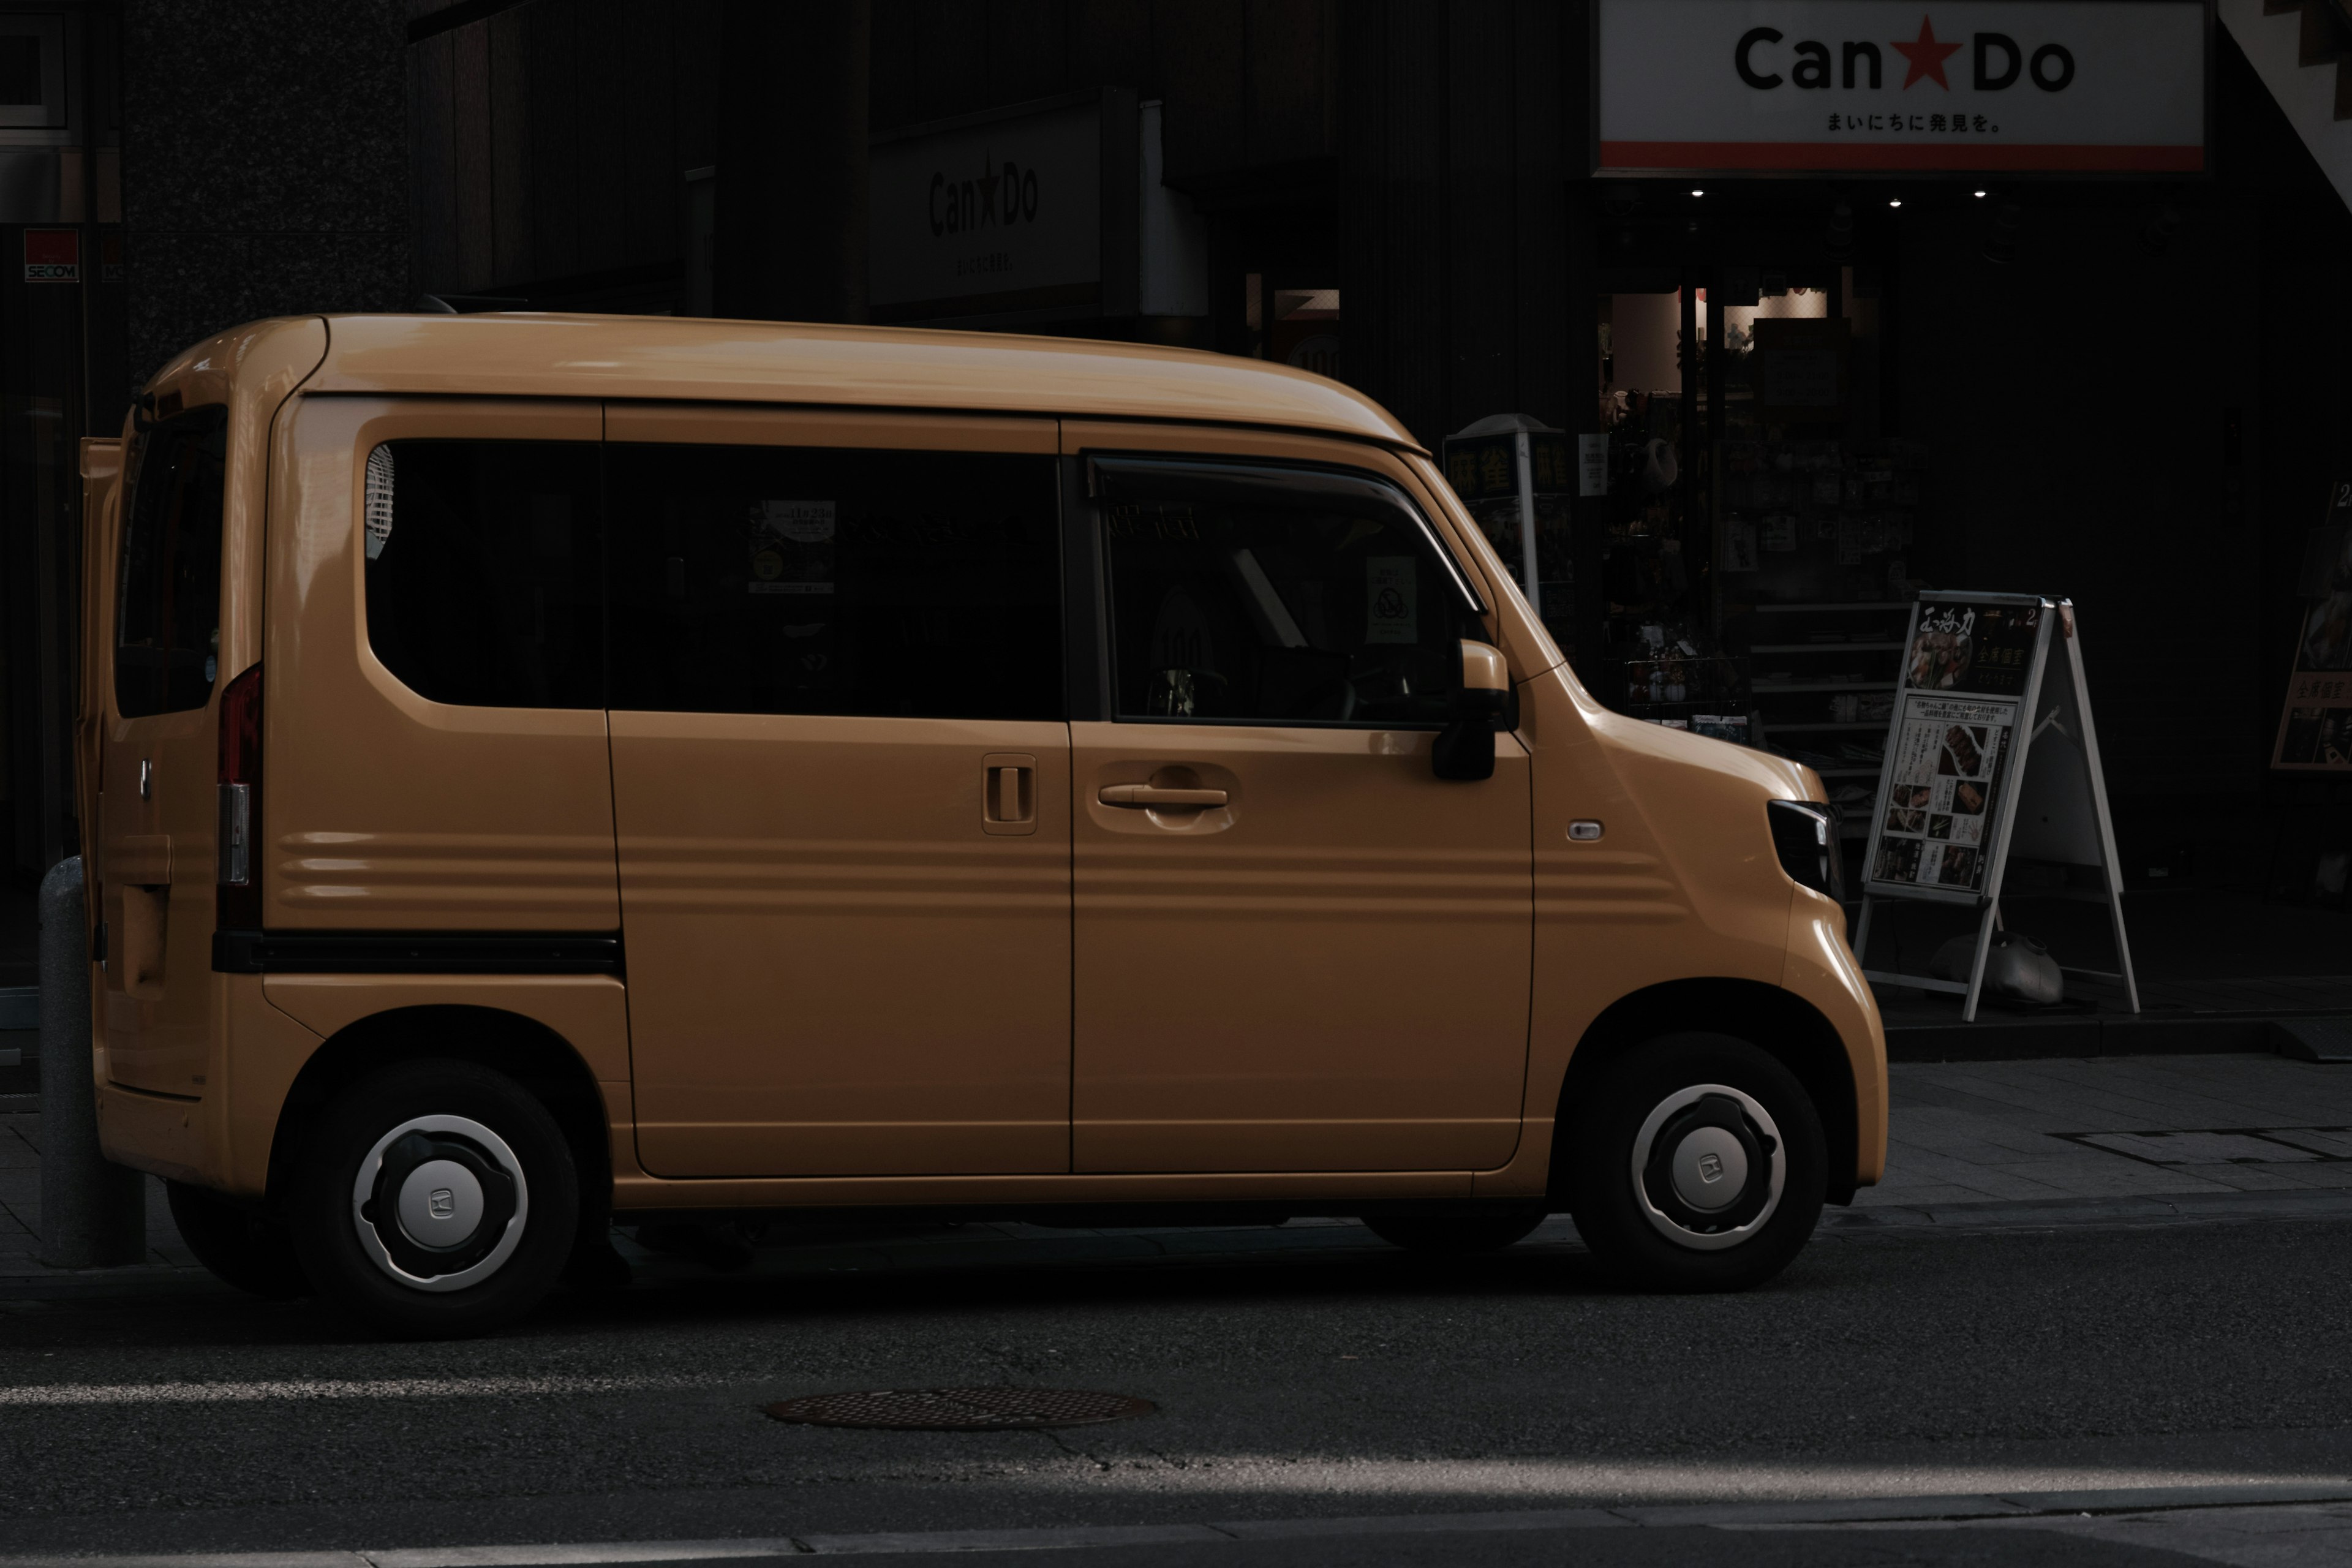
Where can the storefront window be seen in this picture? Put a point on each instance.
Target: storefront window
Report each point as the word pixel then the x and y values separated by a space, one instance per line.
pixel 1757 561
pixel 1660 658
pixel 1818 514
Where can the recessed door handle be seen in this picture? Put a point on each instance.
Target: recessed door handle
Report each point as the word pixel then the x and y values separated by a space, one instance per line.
pixel 1145 795
pixel 1008 794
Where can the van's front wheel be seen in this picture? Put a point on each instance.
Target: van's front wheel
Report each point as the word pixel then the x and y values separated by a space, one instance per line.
pixel 436 1198
pixel 1700 1165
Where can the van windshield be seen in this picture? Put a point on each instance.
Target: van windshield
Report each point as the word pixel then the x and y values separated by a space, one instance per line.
pixel 167 623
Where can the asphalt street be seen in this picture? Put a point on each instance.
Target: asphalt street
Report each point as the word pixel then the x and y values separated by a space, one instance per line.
pixel 1351 1380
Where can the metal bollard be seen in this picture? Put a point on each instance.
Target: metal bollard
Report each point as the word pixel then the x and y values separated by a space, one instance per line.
pixel 93 1213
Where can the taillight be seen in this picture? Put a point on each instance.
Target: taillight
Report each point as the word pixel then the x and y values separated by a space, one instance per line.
pixel 239 907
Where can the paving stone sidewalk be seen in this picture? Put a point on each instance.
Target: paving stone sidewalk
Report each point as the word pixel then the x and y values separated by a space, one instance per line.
pixel 1968 1141
pixel 20 1204
pixel 2115 1126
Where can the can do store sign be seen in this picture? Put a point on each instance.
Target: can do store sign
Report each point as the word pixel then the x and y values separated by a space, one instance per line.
pixel 1861 86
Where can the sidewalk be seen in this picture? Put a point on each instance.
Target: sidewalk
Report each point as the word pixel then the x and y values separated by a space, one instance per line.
pixel 20 1213
pixel 2217 969
pixel 2114 1141
pixel 1968 1132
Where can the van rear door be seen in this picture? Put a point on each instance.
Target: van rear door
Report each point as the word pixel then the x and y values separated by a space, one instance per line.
pixel 156 818
pixel 101 489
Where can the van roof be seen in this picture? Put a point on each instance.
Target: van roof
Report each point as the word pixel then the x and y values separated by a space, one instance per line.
pixel 532 354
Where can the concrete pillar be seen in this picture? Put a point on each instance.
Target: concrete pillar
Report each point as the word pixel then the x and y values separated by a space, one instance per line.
pixel 93 1213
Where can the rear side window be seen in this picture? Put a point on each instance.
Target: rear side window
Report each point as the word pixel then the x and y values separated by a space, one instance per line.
pixel 802 580
pixel 484 571
pixel 1254 595
pixel 167 623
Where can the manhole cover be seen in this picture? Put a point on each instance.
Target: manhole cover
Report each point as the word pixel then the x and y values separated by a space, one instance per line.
pixel 959 1409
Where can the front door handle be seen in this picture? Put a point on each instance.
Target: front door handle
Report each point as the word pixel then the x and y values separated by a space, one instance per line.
pixel 1144 796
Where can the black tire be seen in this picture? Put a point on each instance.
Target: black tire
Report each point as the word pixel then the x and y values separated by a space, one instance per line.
pixel 1647 1233
pixel 244 1245
pixel 1455 1236
pixel 511 1181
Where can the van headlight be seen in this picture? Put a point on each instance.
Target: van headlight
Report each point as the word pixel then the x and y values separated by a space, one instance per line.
pixel 1805 833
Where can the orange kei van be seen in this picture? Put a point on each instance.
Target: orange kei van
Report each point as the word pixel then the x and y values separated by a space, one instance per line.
pixel 544 772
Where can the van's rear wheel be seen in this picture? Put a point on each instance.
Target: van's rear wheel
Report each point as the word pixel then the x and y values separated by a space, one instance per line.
pixel 1699 1166
pixel 436 1198
pixel 244 1245
pixel 1458 1236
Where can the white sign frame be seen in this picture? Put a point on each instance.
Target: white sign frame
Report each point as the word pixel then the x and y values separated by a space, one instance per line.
pixel 2070 776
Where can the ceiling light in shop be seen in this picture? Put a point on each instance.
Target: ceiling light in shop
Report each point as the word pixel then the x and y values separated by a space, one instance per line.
pixel 1699 193
pixel 1895 204
pixel 1980 196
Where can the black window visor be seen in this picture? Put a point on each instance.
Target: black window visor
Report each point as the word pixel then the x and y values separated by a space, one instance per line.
pixel 1260 484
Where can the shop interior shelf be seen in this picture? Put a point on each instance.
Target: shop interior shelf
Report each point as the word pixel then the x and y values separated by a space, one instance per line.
pixel 1866 771
pixel 1825 686
pixel 1777 725
pixel 1825 647
pixel 1849 604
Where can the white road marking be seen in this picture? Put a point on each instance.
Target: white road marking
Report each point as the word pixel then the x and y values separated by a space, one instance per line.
pixel 62 1394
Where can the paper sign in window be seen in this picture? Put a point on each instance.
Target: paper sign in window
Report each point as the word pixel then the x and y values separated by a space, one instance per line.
pixel 1392 600
pixel 791 546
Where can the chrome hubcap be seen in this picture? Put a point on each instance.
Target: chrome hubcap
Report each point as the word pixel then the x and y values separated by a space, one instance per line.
pixel 440 1203
pixel 1708 1167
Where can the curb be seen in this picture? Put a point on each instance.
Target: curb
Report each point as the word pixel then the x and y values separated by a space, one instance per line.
pixel 1959 1510
pixel 2037 1040
pixel 1288 1243
pixel 131 1281
pixel 2115 1214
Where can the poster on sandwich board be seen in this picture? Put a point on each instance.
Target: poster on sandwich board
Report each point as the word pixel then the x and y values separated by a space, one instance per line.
pixel 1966 662
pixel 2315 733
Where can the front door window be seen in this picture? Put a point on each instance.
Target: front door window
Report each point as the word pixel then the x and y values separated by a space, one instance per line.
pixel 1276 596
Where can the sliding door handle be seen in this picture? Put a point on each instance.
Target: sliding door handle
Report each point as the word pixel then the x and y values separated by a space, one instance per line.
pixel 1008 794
pixel 1144 796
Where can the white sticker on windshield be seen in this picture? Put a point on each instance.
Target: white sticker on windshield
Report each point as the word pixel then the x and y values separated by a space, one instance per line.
pixel 1392 599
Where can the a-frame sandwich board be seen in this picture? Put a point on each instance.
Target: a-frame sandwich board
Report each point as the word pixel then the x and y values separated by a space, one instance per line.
pixel 1967 781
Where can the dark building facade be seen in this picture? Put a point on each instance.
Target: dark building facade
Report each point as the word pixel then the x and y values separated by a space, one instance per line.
pixel 167 167
pixel 2131 395
pixel 2126 388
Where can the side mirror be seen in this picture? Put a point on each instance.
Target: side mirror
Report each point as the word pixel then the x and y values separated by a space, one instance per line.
pixel 1466 747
